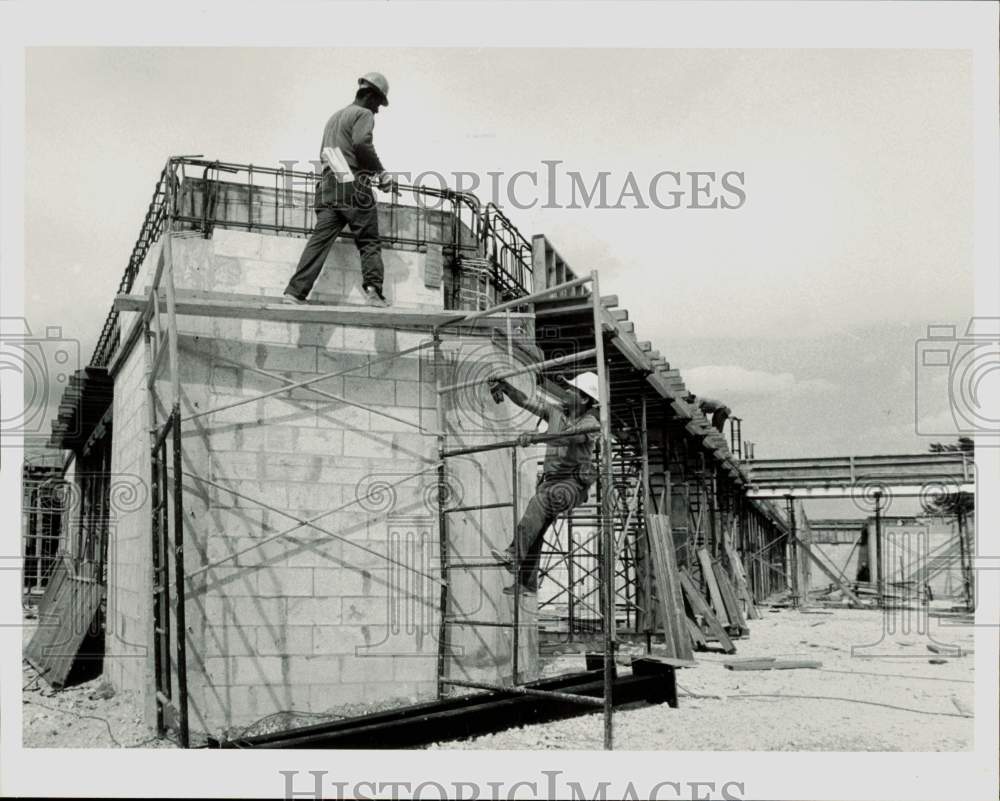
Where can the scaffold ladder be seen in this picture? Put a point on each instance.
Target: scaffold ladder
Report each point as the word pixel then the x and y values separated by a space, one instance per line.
pixel 607 534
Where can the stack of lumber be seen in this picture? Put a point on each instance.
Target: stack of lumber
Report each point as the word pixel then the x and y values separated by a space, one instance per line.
pixel 670 602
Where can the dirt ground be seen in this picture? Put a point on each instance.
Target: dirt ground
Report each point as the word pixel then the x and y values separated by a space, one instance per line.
pixel 891 697
pixel 727 710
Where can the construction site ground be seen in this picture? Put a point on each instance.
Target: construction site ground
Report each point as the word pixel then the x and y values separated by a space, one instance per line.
pixel 724 710
pixel 852 703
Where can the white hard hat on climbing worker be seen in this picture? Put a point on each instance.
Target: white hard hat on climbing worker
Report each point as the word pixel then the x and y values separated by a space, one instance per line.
pixel 377 81
pixel 588 383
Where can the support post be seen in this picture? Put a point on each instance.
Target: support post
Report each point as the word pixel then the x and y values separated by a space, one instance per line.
pixel 606 532
pixel 879 576
pixel 792 556
pixel 965 555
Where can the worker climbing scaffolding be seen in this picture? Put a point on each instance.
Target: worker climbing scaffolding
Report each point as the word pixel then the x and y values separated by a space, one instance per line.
pixel 567 473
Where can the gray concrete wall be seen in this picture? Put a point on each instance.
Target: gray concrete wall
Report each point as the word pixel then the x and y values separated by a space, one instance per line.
pixel 310 621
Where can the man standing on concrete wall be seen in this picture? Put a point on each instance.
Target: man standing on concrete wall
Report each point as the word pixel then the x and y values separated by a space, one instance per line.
pixel 567 473
pixel 349 203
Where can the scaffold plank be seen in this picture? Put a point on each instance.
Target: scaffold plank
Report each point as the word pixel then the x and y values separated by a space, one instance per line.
pixel 273 309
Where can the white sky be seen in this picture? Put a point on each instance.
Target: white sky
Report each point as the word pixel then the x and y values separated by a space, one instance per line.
pixel 800 309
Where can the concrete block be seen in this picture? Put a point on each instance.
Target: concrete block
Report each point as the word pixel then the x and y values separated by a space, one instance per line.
pixel 240 244
pixel 285 581
pixel 314 611
pixel 325 697
pixel 286 249
pixel 416 668
pixel 272 493
pixel 265 275
pixel 411 339
pixel 257 670
pixel 314 497
pixel 368 445
pixel 294 467
pixel 369 391
pixel 220 670
pixel 407 420
pixel 229 580
pixel 228 466
pixel 367 669
pixel 403 367
pixel 364 610
pixel 350 363
pixel 296 640
pixel 340 639
pixel 245 611
pixel 315 670
pixel 321 554
pixel 227 641
pixel 349 581
pixel 325 441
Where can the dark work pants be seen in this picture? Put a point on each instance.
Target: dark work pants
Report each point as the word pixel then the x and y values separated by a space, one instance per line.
pixel 330 221
pixel 552 498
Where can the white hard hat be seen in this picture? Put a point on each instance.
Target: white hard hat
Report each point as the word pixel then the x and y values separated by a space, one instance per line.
pixel 588 383
pixel 377 81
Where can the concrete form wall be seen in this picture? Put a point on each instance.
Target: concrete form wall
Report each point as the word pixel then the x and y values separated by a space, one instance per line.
pixel 128 659
pixel 307 621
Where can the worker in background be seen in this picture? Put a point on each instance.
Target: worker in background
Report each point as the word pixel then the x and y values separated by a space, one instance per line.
pixel 351 203
pixel 567 473
pixel 717 410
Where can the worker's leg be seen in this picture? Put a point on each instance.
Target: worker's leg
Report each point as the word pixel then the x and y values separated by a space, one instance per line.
pixel 552 499
pixel 364 225
pixel 329 223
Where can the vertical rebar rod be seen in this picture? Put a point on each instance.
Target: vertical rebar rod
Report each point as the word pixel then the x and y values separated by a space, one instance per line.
pixel 607 535
pixel 517 561
pixel 879 575
pixel 443 644
pixel 179 571
pixel 792 556
pixel 647 584
pixel 570 576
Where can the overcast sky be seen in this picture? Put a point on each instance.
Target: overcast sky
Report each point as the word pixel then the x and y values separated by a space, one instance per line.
pixel 801 308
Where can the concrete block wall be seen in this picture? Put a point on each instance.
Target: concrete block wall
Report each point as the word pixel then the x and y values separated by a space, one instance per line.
pixel 128 661
pixel 316 619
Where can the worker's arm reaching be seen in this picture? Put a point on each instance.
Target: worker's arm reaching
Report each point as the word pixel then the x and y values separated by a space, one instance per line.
pixel 541 410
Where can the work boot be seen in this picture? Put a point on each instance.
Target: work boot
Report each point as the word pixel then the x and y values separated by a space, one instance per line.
pixel 505 558
pixel 293 300
pixel 373 297
pixel 527 587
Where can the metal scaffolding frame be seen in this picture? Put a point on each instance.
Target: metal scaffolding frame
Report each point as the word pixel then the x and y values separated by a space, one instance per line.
pixel 157 326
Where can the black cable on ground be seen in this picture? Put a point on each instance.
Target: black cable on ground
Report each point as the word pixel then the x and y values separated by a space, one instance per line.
pixel 823 698
pixel 79 715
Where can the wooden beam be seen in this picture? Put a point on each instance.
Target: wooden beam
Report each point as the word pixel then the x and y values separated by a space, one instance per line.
pixel 277 311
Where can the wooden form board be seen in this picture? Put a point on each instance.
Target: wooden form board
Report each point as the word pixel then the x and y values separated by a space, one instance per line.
pixel 275 309
pixel 700 607
pixel 668 591
pixel 736 619
pixel 65 615
pixel 740 582
pixel 708 574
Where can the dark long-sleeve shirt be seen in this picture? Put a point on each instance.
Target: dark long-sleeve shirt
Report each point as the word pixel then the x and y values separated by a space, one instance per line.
pixel 350 129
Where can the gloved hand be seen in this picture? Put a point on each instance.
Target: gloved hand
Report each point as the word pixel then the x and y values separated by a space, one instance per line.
pixel 496 389
pixel 387 183
pixel 524 440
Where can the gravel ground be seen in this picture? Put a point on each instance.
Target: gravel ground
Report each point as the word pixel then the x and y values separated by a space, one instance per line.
pixel 899 673
pixel 88 715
